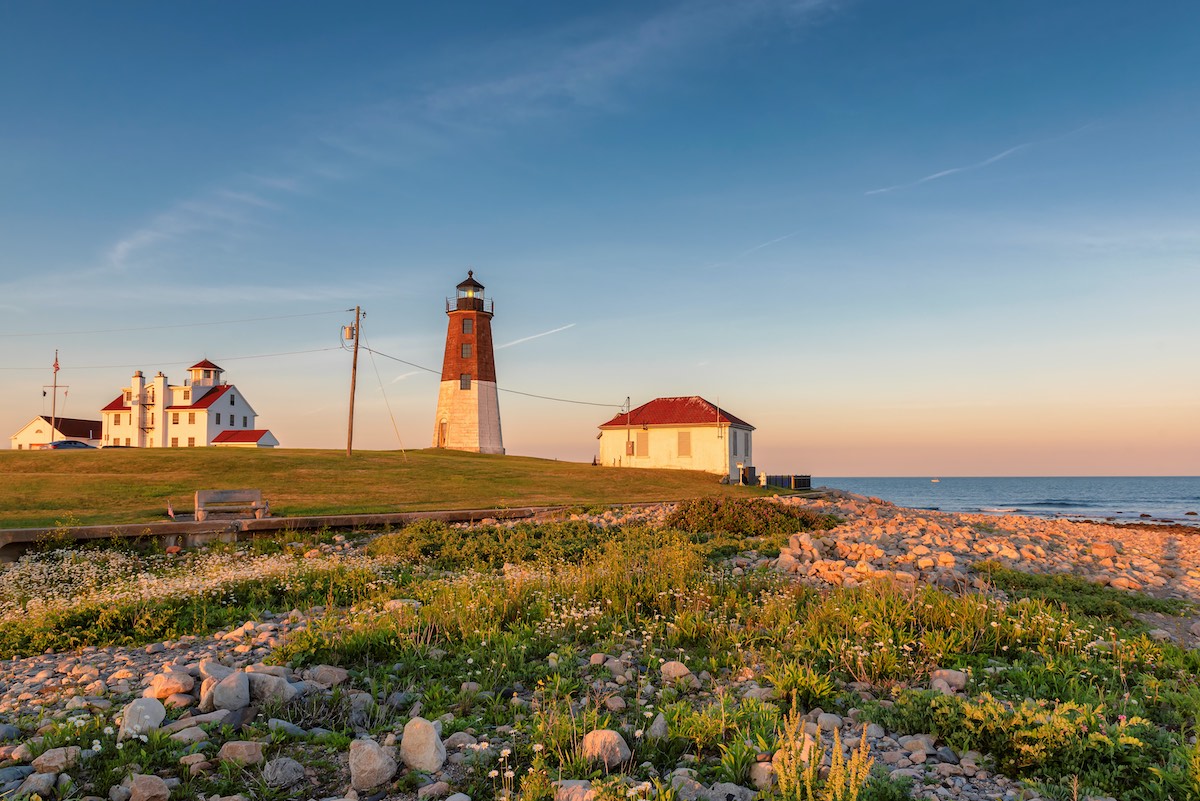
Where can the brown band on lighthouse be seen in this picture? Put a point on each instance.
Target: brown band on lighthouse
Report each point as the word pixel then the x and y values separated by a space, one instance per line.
pixel 480 364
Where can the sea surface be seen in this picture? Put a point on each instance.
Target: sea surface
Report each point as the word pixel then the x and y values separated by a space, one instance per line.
pixel 1167 498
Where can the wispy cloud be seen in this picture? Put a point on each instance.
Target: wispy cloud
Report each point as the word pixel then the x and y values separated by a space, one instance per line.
pixel 590 66
pixel 409 374
pixel 953 170
pixel 535 336
pixel 979 164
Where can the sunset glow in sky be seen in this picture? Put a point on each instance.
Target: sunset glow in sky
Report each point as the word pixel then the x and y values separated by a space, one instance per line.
pixel 927 238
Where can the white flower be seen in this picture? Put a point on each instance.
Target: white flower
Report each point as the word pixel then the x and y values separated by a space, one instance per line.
pixel 508 774
pixel 493 774
pixel 504 752
pixel 537 747
pixel 638 734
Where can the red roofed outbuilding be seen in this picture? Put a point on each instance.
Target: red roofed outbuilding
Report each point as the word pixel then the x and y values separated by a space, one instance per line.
pixel 686 433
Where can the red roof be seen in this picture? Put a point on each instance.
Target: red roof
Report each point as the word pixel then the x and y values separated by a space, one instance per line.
pixel 118 405
pixel 204 365
pixel 251 435
pixel 74 427
pixel 208 400
pixel 689 410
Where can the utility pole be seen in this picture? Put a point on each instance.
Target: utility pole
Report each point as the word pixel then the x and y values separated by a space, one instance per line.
pixel 353 380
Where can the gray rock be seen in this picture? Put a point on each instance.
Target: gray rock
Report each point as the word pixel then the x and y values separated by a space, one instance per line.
pixel 233 691
pixel 16 773
pixel 9 733
pixel 283 772
pixel 658 729
pixel 725 791
pixel 277 724
pixel 265 687
pixel 37 783
pixel 370 765
pixel 141 716
pixel 421 747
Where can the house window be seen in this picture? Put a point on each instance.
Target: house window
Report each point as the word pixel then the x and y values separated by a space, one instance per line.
pixel 232 398
pixel 643 443
pixel 464 381
pixel 191 417
pixel 218 418
pixel 128 395
pixel 116 419
pixel 174 442
pixel 685 443
pixel 127 442
pixel 187 394
pixel 191 442
pixel 244 423
pixel 466 350
pixel 468 325
pixel 151 418
pixel 734 439
pixel 174 418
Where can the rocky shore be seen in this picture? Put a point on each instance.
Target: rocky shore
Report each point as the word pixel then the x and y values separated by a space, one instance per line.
pixel 215 699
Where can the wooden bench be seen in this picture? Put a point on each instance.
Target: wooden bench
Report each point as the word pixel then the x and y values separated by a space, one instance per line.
pixel 238 502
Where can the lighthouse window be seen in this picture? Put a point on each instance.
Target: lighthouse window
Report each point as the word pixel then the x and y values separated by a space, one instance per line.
pixel 466 350
pixel 464 381
pixel 468 325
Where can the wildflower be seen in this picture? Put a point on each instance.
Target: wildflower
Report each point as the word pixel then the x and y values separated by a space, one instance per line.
pixel 537 747
pixel 505 752
pixel 638 734
pixel 508 774
pixel 493 774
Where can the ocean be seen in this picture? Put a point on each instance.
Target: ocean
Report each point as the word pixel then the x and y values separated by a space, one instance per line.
pixel 1168 498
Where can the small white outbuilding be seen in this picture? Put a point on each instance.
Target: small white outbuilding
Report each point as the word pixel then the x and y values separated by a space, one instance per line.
pixel 39 432
pixel 686 433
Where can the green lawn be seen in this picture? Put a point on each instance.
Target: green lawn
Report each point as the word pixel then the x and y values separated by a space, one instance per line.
pixel 45 488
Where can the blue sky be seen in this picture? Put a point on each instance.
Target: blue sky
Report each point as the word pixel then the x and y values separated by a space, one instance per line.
pixel 919 238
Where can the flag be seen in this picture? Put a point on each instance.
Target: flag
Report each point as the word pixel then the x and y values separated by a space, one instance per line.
pixel 43 393
pixel 170 511
pixel 56 362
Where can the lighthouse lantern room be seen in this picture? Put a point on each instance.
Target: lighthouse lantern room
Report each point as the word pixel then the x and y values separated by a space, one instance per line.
pixel 468 410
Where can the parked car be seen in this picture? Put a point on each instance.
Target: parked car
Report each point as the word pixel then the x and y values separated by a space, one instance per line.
pixel 69 445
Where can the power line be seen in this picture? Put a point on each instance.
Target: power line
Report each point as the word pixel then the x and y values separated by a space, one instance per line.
pixel 502 389
pixel 182 361
pixel 176 325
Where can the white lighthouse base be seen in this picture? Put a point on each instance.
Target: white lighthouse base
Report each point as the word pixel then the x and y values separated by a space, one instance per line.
pixel 468 419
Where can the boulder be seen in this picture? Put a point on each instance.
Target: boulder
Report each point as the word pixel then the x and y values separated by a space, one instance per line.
pixel 673 671
pixel 283 772
pixel 607 747
pixel 232 692
pixel 170 683
pixel 370 765
pixel 327 675
pixel 141 716
pixel 56 760
pixel 148 788
pixel 955 679
pixel 241 752
pixel 421 746
pixel 573 790
pixel 41 784
pixel 266 687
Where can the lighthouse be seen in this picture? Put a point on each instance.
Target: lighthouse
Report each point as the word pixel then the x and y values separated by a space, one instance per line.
pixel 468 410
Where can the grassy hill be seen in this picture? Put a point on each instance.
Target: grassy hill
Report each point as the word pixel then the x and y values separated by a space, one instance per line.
pixel 45 488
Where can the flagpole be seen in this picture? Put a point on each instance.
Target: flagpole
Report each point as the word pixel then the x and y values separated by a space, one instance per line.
pixel 54 399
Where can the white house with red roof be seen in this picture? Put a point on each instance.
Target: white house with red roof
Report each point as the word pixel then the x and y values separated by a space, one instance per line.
pixel 204 410
pixel 686 433
pixel 39 432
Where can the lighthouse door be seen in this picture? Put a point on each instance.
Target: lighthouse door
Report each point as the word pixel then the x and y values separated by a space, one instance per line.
pixel 441 443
